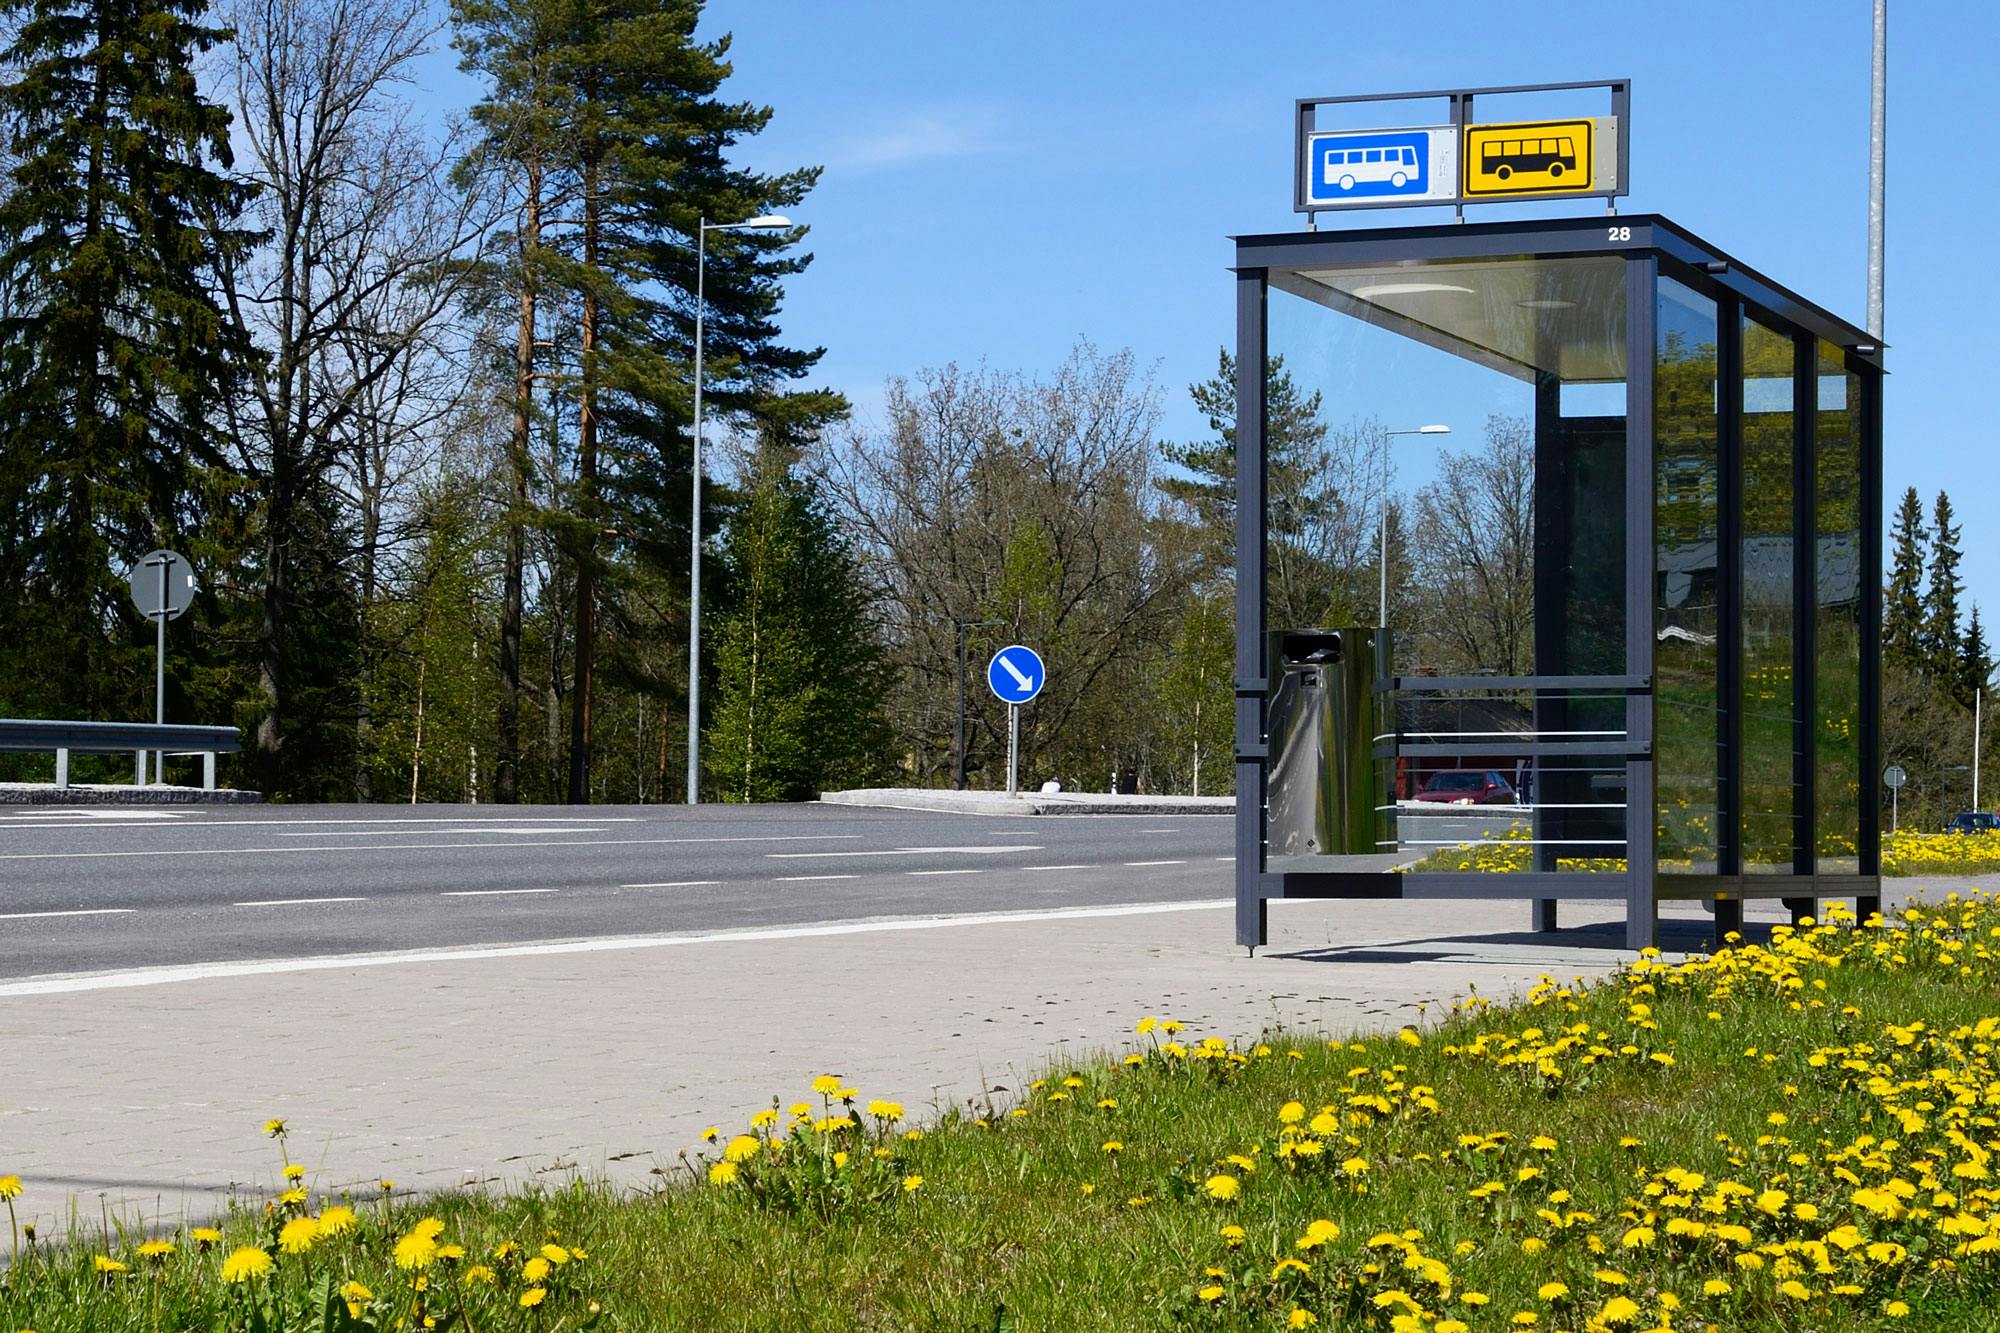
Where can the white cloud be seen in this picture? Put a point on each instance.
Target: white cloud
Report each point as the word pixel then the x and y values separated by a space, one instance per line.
pixel 920 136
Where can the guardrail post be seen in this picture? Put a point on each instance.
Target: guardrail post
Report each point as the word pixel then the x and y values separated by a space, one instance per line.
pixel 208 770
pixel 139 768
pixel 62 769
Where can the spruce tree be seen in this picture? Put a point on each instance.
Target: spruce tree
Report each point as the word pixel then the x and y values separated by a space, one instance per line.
pixel 1903 599
pixel 1940 640
pixel 800 676
pixel 114 356
pixel 1975 659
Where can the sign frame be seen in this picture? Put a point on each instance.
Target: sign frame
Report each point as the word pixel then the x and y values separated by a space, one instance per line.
pixel 1460 103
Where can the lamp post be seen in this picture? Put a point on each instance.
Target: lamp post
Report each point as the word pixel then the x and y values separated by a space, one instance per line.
pixel 765 222
pixel 958 763
pixel 1420 430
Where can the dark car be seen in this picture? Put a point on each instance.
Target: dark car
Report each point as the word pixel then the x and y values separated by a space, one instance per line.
pixel 1468 786
pixel 1973 821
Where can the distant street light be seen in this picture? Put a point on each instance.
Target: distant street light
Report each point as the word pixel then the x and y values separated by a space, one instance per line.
pixel 764 222
pixel 958 748
pixel 1420 430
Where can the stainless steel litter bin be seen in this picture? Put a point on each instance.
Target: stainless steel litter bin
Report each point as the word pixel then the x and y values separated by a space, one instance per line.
pixel 1322 793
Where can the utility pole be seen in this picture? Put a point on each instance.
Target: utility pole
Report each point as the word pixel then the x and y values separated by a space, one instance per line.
pixel 1877 161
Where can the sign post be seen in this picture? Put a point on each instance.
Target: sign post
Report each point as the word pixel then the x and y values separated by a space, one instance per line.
pixel 1893 777
pixel 1015 675
pixel 162 588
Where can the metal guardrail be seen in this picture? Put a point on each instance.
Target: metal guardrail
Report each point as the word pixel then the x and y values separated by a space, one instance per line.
pixel 138 739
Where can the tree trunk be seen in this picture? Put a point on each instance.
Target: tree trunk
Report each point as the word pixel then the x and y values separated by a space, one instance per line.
pixel 586 557
pixel 507 763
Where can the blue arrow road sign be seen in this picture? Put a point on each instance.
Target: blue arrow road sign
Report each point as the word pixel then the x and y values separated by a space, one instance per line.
pixel 1016 674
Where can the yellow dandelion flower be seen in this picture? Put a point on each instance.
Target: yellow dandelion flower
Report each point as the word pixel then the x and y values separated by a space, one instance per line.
pixel 1409 1037
pixel 826 1085
pixel 722 1173
pixel 555 1254
pixel 1222 1188
pixel 205 1236
pixel 293 1171
pixel 533 1296
pixel 336 1221
pixel 156 1249
pixel 480 1275
pixel 297 1236
pixel 356 1296
pixel 1542 1143
pixel 535 1270
pixel 1896 1310
pixel 741 1148
pixel 293 1197
pixel 1113 1146
pixel 764 1119
pixel 1526 1319
pixel 888 1112
pixel 1552 1291
pixel 1210 1293
pixel 106 1264
pixel 274 1128
pixel 247 1261
pixel 1291 1113
pixel 1301 1319
pixel 1233 1235
pixel 1146 1025
pixel 911 1184
pixel 415 1251
pixel 10 1187
pixel 1618 1310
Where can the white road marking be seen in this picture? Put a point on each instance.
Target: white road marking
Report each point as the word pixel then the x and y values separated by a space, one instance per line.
pixel 1225 858
pixel 82 911
pixel 488 893
pixel 940 872
pixel 390 821
pixel 800 879
pixel 297 902
pixel 1059 867
pixel 417 847
pixel 1155 863
pixel 675 884
pixel 471 828
pixel 160 976
pixel 907 851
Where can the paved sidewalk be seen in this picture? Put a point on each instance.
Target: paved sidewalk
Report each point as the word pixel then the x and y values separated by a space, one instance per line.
pixel 503 1065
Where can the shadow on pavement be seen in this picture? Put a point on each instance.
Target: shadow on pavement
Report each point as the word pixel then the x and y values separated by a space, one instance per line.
pixel 1676 936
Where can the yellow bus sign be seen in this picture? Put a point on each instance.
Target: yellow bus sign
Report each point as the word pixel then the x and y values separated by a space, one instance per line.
pixel 1529 158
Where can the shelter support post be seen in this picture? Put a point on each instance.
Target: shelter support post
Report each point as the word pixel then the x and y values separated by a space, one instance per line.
pixel 1641 891
pixel 1252 917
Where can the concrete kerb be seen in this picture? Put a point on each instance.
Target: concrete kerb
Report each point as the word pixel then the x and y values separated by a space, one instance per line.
pixel 1027 803
pixel 47 793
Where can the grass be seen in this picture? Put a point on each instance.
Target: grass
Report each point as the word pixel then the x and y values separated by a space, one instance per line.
pixel 1782 1137
pixel 1903 854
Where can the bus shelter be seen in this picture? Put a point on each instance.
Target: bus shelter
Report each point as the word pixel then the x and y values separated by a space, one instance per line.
pixel 1699 717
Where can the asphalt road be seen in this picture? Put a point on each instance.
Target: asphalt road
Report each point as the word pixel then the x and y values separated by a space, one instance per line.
pixel 110 888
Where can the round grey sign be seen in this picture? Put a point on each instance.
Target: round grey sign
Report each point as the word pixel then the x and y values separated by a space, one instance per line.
pixel 162 584
pixel 1893 776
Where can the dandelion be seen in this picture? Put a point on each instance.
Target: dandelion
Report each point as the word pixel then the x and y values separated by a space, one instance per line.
pixel 10 1187
pixel 764 1119
pixel 156 1250
pixel 911 1184
pixel 336 1221
pixel 1113 1146
pixel 293 1197
pixel 1210 1294
pixel 555 1254
pixel 887 1112
pixel 274 1129
pixel 418 1249
pixel 1552 1291
pixel 826 1085
pixel 1618 1310
pixel 533 1296
pixel 1233 1236
pixel 247 1261
pixel 480 1275
pixel 1301 1319
pixel 107 1265
pixel 722 1173
pixel 293 1171
pixel 1222 1188
pixel 297 1236
pixel 741 1148
pixel 1896 1310
pixel 535 1270
pixel 205 1237
pixel 356 1296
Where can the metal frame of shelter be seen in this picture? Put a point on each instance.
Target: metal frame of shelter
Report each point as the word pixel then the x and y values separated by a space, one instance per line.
pixel 1652 249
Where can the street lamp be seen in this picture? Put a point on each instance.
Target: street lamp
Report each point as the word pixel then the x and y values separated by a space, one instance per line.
pixel 764 222
pixel 1420 430
pixel 958 765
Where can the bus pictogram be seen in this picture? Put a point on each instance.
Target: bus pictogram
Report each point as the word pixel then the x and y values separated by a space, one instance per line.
pixel 1539 157
pixel 1501 158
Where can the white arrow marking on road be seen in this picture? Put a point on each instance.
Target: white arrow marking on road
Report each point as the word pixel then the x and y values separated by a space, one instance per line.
pixel 1024 682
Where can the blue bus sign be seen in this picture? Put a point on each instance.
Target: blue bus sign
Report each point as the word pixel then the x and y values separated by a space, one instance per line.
pixel 1378 166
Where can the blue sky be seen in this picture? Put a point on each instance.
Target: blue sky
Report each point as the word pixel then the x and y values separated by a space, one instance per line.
pixel 1002 179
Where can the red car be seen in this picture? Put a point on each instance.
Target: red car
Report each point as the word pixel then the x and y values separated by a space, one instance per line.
pixel 1469 786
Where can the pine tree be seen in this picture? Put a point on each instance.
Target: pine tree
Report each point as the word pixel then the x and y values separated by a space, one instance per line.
pixel 1293 433
pixel 1940 639
pixel 1903 599
pixel 634 142
pixel 800 679
pixel 114 357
